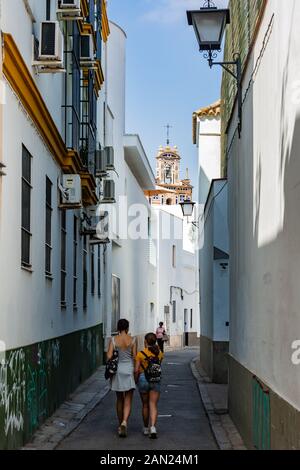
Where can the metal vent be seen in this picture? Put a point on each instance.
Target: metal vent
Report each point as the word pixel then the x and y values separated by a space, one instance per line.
pixel 100 163
pixel 68 3
pixel 48 39
pixel 110 158
pixel 85 47
pixel 109 191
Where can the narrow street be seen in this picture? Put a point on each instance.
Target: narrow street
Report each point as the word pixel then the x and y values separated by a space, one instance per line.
pixel 182 420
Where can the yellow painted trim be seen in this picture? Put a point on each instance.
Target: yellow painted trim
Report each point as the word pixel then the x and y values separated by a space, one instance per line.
pixel 88 184
pixel 72 162
pixel 21 81
pixel 99 77
pixel 105 23
pixel 84 7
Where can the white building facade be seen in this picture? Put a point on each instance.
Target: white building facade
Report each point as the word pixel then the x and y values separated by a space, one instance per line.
pixel 175 287
pixel 263 173
pixel 131 215
pixel 53 293
pixel 214 244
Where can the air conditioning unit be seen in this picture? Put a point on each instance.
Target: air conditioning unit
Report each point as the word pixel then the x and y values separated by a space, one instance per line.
pixel 108 192
pixel 110 158
pixel 87 53
pixel 89 226
pixel 68 10
pixel 51 42
pixel 71 190
pixel 101 236
pixel 100 159
pixel 69 4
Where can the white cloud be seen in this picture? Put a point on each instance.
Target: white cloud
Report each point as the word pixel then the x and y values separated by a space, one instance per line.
pixel 173 11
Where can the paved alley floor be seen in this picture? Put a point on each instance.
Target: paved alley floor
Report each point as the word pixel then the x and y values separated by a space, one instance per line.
pixel 182 422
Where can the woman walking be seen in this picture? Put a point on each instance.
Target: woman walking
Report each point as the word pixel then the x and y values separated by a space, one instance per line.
pixel 147 375
pixel 123 381
pixel 160 334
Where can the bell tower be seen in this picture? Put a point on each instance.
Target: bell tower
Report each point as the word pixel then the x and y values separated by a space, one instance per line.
pixel 168 165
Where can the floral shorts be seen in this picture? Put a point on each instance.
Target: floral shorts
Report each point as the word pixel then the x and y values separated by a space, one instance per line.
pixel 145 387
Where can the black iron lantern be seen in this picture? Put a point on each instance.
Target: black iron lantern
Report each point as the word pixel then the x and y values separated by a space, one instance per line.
pixel 187 208
pixel 209 25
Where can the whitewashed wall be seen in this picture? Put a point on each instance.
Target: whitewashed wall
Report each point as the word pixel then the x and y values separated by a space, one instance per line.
pixel 30 303
pixel 209 154
pixel 130 257
pixel 264 199
pixel 182 277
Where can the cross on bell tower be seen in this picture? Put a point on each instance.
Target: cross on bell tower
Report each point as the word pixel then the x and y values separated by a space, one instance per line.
pixel 168 127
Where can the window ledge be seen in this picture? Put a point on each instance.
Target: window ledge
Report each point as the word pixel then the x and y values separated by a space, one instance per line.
pixel 27 268
pixel 49 277
pixel 63 305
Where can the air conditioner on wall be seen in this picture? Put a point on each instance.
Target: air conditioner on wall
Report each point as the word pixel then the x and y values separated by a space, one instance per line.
pixel 68 10
pixel 110 158
pixel 87 53
pixel 104 161
pixel 51 42
pixel 69 4
pixel 96 227
pixel 108 192
pixel 100 163
pixel 71 190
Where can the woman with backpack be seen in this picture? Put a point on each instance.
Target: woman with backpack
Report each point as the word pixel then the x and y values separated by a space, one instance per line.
pixel 148 377
pixel 122 382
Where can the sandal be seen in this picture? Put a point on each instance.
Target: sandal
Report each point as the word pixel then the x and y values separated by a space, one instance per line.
pixel 123 429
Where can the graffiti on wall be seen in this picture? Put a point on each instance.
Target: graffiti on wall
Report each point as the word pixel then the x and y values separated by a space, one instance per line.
pixel 89 342
pixel 37 393
pixel 25 382
pixel 13 390
pixel 45 357
pixel 30 380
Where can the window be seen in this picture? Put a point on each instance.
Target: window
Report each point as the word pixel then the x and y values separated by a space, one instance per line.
pixel 63 264
pixel 99 271
pixel 26 208
pixel 174 311
pixel 71 106
pixel 75 247
pixel 85 274
pixel 92 271
pixel 174 256
pixel 186 320
pixel 48 238
pixel 191 323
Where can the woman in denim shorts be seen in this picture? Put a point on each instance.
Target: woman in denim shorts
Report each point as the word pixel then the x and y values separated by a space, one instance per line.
pixel 149 392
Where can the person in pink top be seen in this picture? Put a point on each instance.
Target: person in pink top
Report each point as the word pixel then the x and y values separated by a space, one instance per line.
pixel 160 333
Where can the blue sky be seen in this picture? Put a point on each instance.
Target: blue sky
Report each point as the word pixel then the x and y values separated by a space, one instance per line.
pixel 167 78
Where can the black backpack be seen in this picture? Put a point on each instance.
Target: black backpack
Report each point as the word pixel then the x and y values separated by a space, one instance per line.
pixel 112 365
pixel 153 370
